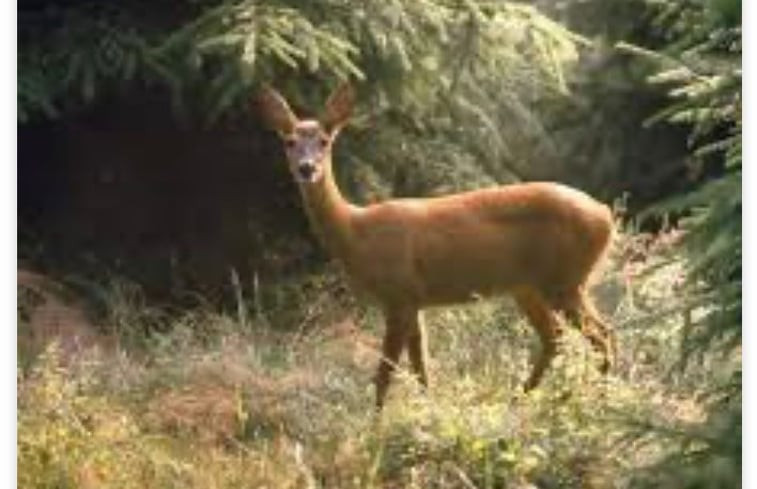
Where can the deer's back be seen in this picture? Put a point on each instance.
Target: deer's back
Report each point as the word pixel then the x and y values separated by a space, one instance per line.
pixel 454 248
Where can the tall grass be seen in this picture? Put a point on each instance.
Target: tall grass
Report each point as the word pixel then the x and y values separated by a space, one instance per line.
pixel 204 401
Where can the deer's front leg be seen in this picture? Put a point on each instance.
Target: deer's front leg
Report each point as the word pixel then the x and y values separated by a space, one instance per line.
pixel 417 349
pixel 398 326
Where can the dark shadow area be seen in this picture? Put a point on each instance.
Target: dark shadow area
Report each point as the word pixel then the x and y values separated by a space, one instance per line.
pixel 125 188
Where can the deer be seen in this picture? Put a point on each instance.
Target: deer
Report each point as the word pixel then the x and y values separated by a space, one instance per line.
pixel 539 242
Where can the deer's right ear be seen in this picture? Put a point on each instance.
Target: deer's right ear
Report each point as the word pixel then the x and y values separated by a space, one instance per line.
pixel 339 108
pixel 276 111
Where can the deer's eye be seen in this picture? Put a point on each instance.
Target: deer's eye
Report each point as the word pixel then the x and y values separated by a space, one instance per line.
pixel 289 143
pixel 323 141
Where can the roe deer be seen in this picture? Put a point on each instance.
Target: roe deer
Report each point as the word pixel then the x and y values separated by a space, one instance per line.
pixel 537 241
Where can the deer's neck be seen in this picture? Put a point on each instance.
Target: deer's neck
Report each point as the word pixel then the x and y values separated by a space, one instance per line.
pixel 329 213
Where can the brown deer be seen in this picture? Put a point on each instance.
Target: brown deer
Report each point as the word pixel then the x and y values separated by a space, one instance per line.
pixel 537 241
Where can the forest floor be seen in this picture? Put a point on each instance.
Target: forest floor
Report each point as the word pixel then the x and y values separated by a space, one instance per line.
pixel 218 400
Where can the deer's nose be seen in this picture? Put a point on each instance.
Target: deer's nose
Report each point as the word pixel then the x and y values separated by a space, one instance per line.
pixel 306 169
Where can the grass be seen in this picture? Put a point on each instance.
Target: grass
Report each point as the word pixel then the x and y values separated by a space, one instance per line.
pixel 210 402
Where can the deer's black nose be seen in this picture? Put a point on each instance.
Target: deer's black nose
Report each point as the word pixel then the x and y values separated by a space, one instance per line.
pixel 306 170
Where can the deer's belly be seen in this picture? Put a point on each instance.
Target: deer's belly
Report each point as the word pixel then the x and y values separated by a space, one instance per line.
pixel 476 274
pixel 453 289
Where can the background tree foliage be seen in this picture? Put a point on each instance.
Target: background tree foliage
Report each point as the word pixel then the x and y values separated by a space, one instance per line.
pixel 701 68
pixel 426 68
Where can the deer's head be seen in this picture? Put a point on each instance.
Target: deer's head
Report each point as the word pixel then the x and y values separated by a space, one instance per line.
pixel 307 142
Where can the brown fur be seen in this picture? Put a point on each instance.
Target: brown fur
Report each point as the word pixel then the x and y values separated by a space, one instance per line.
pixel 537 241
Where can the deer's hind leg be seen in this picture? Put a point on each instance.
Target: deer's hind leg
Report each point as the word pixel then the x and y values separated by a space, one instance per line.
pixel 543 319
pixel 587 305
pixel 579 309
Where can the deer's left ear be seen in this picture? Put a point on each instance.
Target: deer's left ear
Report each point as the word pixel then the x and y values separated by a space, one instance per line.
pixel 276 111
pixel 338 108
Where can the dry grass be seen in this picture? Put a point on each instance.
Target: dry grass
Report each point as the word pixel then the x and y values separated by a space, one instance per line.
pixel 212 404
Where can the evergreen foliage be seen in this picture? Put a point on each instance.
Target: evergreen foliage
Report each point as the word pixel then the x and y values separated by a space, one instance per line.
pixel 702 70
pixel 449 84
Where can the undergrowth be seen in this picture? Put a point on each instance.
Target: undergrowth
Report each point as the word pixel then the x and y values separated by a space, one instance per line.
pixel 213 400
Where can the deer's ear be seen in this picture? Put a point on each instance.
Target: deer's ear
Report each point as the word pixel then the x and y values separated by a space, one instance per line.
pixel 339 108
pixel 276 111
